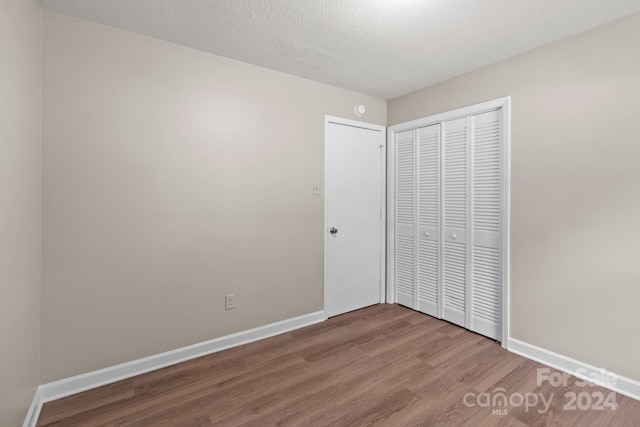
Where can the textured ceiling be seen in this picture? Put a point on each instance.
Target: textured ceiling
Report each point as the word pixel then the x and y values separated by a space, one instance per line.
pixel 384 48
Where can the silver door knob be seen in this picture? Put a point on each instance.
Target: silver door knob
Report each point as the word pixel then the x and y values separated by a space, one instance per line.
pixel 333 230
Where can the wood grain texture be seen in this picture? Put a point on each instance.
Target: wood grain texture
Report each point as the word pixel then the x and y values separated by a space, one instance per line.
pixel 382 365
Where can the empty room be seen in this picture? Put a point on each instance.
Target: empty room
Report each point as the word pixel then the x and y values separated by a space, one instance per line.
pixel 310 213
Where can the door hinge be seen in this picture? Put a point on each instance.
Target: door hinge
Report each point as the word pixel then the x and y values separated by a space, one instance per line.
pixel 381 148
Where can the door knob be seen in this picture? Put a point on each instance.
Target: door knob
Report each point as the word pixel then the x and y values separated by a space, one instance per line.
pixel 333 230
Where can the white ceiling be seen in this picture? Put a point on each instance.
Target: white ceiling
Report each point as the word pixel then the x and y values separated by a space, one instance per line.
pixel 384 48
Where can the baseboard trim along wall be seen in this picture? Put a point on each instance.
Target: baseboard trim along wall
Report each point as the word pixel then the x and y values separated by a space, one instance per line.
pixel 34 410
pixel 72 385
pixel 598 376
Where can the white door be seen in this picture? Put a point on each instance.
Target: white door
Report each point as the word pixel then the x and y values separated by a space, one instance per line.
pixel 448 235
pixel 417 218
pixel 354 215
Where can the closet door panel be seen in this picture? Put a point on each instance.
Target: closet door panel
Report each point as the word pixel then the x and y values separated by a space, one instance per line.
pixel 428 218
pixel 404 217
pixel 455 212
pixel 487 213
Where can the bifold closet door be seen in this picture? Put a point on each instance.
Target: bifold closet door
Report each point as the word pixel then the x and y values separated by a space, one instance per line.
pixel 417 219
pixel 449 183
pixel 472 219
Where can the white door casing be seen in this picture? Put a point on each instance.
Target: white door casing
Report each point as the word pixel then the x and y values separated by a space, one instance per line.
pixel 354 266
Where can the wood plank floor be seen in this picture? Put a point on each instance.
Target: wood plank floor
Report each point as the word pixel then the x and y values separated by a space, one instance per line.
pixel 382 365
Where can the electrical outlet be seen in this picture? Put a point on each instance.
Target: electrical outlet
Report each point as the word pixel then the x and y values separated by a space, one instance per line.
pixel 229 302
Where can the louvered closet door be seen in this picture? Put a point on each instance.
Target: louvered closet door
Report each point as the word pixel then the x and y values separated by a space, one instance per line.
pixel 449 240
pixel 486 222
pixel 428 218
pixel 404 217
pixel 455 212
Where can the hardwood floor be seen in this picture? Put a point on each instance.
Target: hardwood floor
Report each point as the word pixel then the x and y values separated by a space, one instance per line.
pixel 382 365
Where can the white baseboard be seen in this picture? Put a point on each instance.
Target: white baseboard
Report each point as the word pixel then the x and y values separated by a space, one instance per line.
pixel 34 410
pixel 584 371
pixel 72 385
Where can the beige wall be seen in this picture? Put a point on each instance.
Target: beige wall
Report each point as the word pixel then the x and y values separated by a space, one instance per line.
pixel 20 242
pixel 171 178
pixel 575 236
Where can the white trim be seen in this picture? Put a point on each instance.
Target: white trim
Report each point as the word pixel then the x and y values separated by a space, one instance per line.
pixel 72 385
pixel 451 115
pixel 383 221
pixel 502 104
pixel 34 410
pixel 391 216
pixel 584 371
pixel 506 213
pixel 354 123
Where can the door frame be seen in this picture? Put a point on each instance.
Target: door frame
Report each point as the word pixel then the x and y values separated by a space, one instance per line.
pixel 501 104
pixel 382 130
